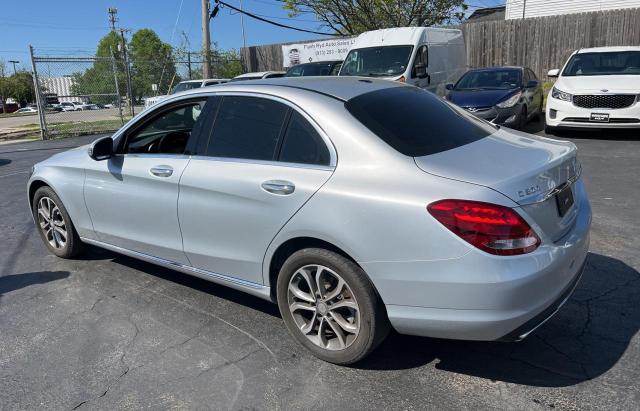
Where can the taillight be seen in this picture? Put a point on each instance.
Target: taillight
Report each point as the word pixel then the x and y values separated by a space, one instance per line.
pixel 490 227
pixel 402 79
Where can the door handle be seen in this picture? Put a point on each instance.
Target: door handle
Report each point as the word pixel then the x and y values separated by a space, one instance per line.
pixel 161 171
pixel 279 187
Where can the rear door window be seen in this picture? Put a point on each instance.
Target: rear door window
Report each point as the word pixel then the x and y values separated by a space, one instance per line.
pixel 247 128
pixel 302 143
pixel 416 122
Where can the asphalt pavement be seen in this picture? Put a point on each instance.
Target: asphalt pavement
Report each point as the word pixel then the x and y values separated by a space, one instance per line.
pixel 108 332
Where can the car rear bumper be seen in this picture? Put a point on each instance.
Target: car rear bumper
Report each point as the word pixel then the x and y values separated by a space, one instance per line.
pixel 483 297
pixel 564 114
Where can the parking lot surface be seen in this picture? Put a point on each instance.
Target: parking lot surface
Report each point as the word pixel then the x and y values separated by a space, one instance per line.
pixel 108 332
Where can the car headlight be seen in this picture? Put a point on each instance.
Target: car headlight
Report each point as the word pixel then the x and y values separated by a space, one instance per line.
pixel 510 102
pixel 561 95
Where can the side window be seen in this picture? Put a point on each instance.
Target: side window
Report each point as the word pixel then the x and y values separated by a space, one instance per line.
pixel 302 144
pixel 247 127
pixel 295 72
pixel 532 75
pixel 422 57
pixel 527 77
pixel 166 133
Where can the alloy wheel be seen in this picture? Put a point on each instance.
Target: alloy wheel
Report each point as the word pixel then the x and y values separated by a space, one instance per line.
pixel 323 307
pixel 52 223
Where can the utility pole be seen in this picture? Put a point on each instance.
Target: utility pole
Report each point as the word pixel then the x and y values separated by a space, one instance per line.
pixel 113 18
pixel 206 40
pixel 14 65
pixel 244 38
pixel 2 99
pixel 524 8
pixel 123 45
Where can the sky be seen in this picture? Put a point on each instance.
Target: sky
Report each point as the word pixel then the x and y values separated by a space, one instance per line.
pixel 74 27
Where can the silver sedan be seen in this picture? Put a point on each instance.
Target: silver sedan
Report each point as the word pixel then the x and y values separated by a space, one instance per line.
pixel 356 205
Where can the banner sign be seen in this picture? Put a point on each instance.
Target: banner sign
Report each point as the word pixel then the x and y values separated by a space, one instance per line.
pixel 334 49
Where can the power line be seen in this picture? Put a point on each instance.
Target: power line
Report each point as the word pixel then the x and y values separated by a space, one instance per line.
pixel 254 16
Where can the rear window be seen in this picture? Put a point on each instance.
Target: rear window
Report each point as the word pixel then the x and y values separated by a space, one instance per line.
pixel 416 122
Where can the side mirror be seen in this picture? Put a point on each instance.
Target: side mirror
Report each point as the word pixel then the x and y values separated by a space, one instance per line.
pixel 420 71
pixel 101 149
pixel 449 86
pixel 532 83
pixel 553 73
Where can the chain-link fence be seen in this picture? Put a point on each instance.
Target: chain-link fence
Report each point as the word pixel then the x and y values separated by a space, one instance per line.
pixel 77 95
pixel 91 95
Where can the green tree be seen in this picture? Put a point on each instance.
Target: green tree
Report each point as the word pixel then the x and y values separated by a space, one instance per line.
pixel 354 17
pixel 226 63
pixel 21 87
pixel 99 78
pixel 152 62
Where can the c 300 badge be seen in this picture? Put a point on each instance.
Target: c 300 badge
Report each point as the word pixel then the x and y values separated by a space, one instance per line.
pixel 528 191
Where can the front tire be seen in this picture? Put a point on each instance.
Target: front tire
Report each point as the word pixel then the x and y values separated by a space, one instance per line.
pixel 54 224
pixel 329 305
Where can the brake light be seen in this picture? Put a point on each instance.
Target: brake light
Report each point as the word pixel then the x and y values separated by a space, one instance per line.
pixel 492 228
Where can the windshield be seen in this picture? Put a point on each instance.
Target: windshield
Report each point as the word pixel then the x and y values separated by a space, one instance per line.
pixel 604 64
pixel 385 61
pixel 185 86
pixel 315 69
pixel 490 80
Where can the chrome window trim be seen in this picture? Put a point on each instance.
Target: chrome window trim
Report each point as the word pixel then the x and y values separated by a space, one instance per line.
pixel 333 154
pixel 263 162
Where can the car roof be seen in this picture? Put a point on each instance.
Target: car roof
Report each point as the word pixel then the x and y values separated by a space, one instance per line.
pixel 342 88
pixel 311 63
pixel 498 68
pixel 258 74
pixel 606 49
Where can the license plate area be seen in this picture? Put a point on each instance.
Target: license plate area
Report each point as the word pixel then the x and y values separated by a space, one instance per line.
pixel 600 117
pixel 564 200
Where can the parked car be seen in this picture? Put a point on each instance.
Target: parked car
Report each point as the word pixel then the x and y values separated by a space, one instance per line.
pixel 184 86
pixel 509 96
pixel 27 110
pixel 259 75
pixel 67 106
pixel 357 205
pixel 425 57
pixel 597 88
pixel 317 68
pixel 8 107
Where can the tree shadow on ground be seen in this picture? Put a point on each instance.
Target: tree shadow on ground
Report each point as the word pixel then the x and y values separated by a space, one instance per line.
pixel 13 282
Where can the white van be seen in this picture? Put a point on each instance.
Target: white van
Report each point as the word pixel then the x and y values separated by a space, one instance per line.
pixel 423 56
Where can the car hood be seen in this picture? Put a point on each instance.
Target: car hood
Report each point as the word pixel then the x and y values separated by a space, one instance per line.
pixel 478 98
pixel 597 84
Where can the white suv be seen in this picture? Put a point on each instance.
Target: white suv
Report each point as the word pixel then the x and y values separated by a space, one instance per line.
pixel 597 88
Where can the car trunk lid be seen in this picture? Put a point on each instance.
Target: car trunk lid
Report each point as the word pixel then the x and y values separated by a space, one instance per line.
pixel 530 170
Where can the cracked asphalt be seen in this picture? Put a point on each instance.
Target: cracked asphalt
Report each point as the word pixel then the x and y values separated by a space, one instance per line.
pixel 109 332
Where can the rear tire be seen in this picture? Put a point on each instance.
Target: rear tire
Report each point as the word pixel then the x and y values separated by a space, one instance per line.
pixel 329 305
pixel 54 224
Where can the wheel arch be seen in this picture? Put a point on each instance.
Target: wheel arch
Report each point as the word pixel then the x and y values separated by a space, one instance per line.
pixel 292 245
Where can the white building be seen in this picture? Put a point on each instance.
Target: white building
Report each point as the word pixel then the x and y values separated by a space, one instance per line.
pixel 540 8
pixel 60 86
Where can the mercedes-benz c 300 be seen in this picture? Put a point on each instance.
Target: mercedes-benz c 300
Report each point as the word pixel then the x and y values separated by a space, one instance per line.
pixel 357 205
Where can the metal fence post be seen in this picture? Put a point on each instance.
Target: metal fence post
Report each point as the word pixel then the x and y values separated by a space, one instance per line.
pixel 115 78
pixel 39 102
